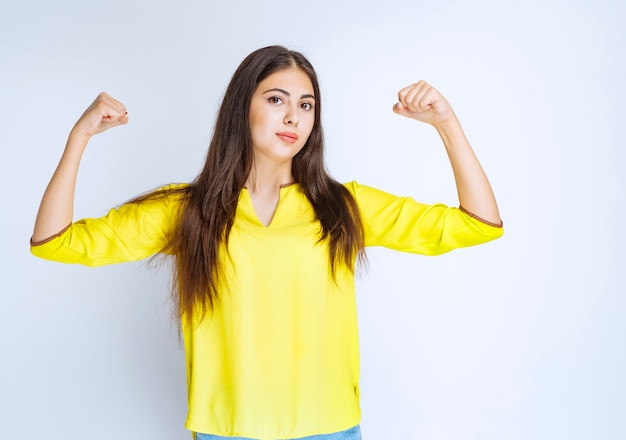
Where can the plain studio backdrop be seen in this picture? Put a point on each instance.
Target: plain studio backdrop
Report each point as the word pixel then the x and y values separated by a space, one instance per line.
pixel 522 338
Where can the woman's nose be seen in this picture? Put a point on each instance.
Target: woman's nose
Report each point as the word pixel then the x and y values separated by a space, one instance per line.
pixel 291 117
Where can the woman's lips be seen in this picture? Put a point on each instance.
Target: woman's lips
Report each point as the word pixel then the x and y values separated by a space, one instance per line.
pixel 287 136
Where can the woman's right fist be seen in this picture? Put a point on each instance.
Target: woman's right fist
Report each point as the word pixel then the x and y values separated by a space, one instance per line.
pixel 105 112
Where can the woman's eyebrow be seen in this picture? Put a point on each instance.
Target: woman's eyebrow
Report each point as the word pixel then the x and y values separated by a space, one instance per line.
pixel 286 93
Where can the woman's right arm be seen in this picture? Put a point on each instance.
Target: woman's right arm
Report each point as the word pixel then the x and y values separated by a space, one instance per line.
pixel 57 204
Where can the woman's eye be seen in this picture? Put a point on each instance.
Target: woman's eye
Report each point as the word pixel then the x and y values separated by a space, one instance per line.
pixel 306 106
pixel 275 100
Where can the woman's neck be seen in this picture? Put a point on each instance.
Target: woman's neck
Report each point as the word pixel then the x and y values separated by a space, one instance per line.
pixel 268 178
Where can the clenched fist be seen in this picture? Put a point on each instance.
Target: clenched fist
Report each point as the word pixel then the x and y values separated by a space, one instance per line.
pixel 423 102
pixel 105 112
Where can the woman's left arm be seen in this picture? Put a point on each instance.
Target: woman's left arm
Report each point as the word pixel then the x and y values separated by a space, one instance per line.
pixel 424 103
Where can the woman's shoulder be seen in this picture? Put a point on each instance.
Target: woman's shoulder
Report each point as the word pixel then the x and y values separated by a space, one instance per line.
pixel 170 193
pixel 162 203
pixel 360 191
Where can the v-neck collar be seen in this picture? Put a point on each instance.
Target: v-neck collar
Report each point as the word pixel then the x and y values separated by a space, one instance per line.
pixel 247 207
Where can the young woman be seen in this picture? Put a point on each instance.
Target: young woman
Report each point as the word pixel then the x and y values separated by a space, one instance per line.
pixel 265 244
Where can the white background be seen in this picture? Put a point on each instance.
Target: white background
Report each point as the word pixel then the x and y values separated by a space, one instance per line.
pixel 522 338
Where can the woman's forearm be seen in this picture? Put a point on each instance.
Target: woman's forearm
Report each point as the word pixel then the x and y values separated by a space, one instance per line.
pixel 57 204
pixel 422 102
pixel 473 188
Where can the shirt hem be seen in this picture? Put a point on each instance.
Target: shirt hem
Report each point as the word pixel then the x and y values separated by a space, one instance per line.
pixel 480 219
pixel 52 237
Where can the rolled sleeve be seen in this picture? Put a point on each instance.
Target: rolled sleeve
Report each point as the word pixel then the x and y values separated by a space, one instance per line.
pixel 131 232
pixel 402 224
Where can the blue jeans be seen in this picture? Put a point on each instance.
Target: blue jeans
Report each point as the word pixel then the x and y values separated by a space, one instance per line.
pixel 349 434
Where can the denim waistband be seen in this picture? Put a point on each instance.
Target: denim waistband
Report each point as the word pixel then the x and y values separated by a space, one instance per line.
pixel 353 433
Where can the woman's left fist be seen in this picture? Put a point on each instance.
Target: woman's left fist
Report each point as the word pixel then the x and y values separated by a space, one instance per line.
pixel 423 102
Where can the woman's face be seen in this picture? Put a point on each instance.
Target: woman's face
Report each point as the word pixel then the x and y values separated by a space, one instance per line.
pixel 282 115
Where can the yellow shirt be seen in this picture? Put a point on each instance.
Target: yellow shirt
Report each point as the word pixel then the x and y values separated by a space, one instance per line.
pixel 278 357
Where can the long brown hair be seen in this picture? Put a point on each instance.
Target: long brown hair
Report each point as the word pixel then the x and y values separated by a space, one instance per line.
pixel 210 201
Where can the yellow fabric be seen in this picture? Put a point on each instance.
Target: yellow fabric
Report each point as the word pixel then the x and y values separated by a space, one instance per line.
pixel 278 358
